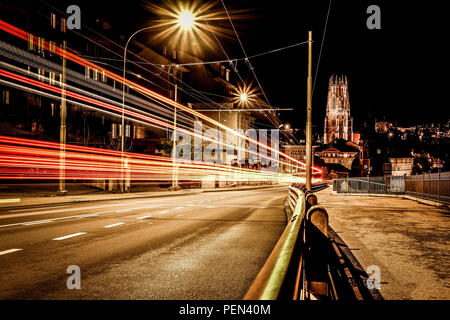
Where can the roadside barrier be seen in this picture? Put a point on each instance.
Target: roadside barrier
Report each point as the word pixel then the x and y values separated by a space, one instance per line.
pixel 310 261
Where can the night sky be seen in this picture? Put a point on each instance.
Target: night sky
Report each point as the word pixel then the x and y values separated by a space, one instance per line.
pixel 396 73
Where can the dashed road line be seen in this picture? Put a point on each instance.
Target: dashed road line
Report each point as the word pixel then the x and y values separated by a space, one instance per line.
pixel 9 251
pixel 36 222
pixel 144 217
pixel 10 200
pixel 114 225
pixel 70 236
pixel 22 210
pixel 54 219
pixel 180 215
pixel 165 211
pixel 178 208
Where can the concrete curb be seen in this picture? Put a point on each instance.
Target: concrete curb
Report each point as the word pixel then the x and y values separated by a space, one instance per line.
pixel 108 197
pixel 403 196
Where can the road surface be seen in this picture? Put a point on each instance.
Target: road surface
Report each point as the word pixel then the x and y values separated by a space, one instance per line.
pixel 409 241
pixel 201 246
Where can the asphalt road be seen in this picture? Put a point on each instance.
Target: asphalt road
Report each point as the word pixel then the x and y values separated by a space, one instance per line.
pixel 407 240
pixel 202 246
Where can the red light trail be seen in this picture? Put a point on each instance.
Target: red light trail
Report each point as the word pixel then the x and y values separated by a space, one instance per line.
pixel 83 62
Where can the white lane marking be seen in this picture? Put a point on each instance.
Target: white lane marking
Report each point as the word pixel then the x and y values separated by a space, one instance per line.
pixel 126 210
pixel 22 210
pixel 10 200
pixel 9 251
pixel 85 215
pixel 180 215
pixel 178 208
pixel 114 225
pixel 70 236
pixel 54 219
pixel 35 222
pixel 144 217
pixel 64 210
pixel 165 211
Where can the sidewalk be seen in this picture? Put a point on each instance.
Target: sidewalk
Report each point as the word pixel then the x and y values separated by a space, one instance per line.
pixel 403 196
pixel 406 240
pixel 17 201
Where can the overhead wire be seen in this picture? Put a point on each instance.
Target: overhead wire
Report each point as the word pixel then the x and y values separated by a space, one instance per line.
pixel 252 69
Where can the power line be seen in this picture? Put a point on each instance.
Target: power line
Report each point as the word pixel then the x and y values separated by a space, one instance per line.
pixel 321 45
pixel 252 69
pixel 205 99
pixel 234 60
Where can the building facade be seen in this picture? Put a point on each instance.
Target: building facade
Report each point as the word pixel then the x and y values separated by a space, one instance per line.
pixel 334 155
pixel 338 122
pixel 402 166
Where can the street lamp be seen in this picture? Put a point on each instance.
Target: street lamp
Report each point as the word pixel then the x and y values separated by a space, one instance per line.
pixel 122 185
pixel 243 97
pixel 185 21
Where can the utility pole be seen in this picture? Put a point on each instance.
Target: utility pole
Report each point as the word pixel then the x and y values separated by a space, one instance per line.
pixel 174 144
pixel 309 116
pixel 62 129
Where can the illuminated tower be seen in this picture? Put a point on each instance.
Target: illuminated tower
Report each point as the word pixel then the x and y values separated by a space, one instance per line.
pixel 338 123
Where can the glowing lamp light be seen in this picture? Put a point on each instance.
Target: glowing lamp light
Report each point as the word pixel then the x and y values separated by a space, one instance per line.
pixel 186 20
pixel 243 97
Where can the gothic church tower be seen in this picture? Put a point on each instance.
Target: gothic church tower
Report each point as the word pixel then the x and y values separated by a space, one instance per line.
pixel 338 123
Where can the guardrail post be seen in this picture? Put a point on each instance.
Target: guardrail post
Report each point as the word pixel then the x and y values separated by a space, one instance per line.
pixel 423 183
pixel 317 244
pixel 311 200
pixel 439 185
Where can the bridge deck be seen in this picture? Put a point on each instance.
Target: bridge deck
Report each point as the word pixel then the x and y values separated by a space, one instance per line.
pixel 408 241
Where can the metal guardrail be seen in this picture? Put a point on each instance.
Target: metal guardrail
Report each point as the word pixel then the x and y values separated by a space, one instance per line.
pixel 310 261
pixel 431 186
pixel 283 274
pixel 434 186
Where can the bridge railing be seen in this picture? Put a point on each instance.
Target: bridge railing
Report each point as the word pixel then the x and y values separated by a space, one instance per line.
pixel 433 186
pixel 283 274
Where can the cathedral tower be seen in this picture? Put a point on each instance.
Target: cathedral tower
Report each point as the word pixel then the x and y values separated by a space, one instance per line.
pixel 338 123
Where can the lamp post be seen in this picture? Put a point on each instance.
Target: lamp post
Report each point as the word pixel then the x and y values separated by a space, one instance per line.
pixel 63 130
pixel 122 184
pixel 186 21
pixel 309 117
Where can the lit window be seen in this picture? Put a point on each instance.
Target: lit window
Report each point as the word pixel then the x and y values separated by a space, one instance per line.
pixel 39 44
pixel 63 25
pixel 53 21
pixel 30 42
pixel 5 97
